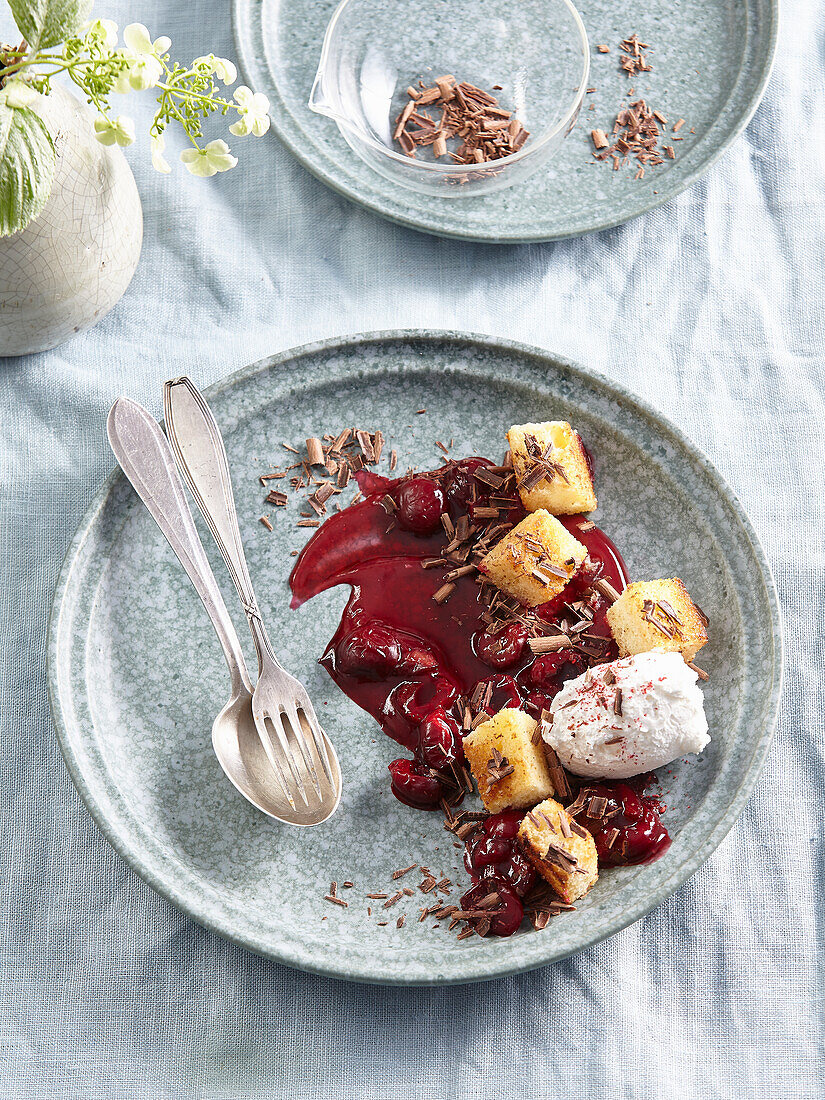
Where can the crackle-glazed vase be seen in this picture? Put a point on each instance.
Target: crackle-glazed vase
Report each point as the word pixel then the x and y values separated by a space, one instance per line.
pixel 68 267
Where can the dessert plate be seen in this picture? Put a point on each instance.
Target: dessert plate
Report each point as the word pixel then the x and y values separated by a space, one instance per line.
pixel 710 59
pixel 128 632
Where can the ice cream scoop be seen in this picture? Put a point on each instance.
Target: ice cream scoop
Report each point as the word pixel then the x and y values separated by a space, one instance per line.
pixel 630 716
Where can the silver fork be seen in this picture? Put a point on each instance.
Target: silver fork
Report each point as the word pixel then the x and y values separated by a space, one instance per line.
pixel 281 706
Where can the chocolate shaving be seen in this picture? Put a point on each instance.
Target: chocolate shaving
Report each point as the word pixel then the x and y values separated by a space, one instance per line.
pixel 548 643
pixel 597 806
pixel 637 129
pixel 315 452
pixel 444 592
pixel 498 768
pixel 606 589
pixel 558 775
pixel 478 129
pixel 649 608
pixel 403 871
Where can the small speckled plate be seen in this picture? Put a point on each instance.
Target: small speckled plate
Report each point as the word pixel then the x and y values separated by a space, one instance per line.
pixel 136 674
pixel 711 62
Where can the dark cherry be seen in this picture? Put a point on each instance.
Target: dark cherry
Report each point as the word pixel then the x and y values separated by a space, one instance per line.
pixel 642 836
pixel 420 503
pixel 504 825
pixel 537 701
pixel 374 651
pixel 494 852
pixel 505 693
pixel 502 649
pixel 440 739
pixel 460 485
pixel 507 913
pixel 517 872
pixel 488 850
pixel 412 783
pixel 563 663
pixel 408 704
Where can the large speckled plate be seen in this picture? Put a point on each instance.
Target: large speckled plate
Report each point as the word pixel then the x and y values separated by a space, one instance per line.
pixel 137 676
pixel 711 61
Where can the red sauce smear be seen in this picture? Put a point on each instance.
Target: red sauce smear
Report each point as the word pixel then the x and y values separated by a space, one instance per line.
pixel 406 659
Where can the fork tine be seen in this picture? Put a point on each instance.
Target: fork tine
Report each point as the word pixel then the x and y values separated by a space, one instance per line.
pixel 266 741
pixel 277 725
pixel 291 713
pixel 318 739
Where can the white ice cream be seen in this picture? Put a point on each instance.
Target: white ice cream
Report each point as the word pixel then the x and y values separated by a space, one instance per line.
pixel 661 717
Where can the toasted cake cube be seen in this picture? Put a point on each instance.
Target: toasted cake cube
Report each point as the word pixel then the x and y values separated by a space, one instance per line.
pixel 503 742
pixel 658 615
pixel 554 451
pixel 563 853
pixel 535 560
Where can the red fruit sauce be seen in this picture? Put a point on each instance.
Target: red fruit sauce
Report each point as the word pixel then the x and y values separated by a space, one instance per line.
pixel 642 837
pixel 406 659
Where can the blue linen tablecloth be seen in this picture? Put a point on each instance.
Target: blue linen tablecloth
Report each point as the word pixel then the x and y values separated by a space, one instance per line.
pixel 711 308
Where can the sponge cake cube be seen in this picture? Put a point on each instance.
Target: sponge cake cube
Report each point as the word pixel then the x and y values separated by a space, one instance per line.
pixel 535 560
pixel 561 850
pixel 551 468
pixel 657 615
pixel 510 770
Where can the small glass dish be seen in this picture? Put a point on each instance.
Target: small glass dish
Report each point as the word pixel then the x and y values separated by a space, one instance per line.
pixel 532 55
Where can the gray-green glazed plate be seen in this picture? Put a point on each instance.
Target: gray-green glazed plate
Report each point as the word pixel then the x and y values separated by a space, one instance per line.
pixel 136 674
pixel 711 62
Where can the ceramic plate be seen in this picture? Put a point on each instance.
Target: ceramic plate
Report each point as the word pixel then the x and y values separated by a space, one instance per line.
pixel 137 676
pixel 711 61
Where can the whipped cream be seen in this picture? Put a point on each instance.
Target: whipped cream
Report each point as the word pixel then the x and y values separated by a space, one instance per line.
pixel 630 716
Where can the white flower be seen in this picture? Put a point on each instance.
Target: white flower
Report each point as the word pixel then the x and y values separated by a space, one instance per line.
pixel 121 84
pixel 253 108
pixel 17 93
pixel 103 31
pixel 143 55
pixel 144 72
pixel 121 131
pixel 159 161
pixel 220 66
pixel 136 37
pixel 214 157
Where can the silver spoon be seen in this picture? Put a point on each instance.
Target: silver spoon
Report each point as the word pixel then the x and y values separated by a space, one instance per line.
pixel 285 716
pixel 144 453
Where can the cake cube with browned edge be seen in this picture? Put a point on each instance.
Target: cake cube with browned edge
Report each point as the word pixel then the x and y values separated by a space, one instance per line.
pixel 510 770
pixel 562 851
pixel 659 615
pixel 551 468
pixel 535 560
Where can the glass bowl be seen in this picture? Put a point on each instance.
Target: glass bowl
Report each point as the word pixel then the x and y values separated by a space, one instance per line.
pixel 534 53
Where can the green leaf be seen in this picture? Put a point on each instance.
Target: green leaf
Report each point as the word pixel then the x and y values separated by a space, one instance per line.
pixel 46 23
pixel 27 161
